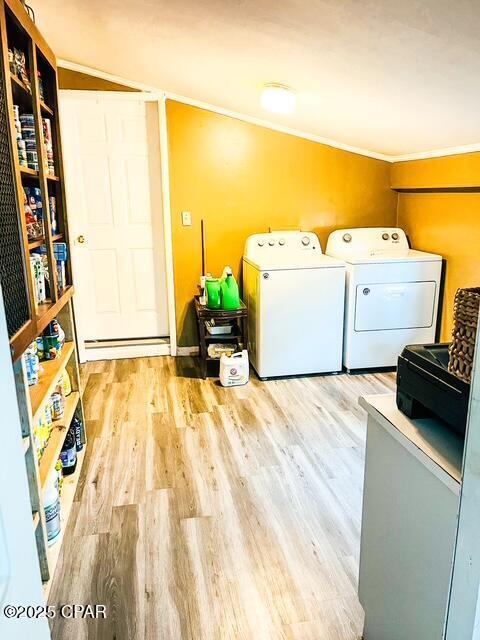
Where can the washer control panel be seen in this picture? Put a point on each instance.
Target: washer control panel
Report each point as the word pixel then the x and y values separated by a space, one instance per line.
pixel 282 243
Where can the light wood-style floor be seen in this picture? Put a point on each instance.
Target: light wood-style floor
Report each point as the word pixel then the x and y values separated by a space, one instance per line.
pixel 206 513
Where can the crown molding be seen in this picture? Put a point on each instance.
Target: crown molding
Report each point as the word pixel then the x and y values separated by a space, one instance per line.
pixel 421 155
pixel 436 153
pixel 110 77
pixel 277 127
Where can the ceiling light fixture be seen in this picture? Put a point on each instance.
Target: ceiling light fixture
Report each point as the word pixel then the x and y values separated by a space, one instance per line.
pixel 278 98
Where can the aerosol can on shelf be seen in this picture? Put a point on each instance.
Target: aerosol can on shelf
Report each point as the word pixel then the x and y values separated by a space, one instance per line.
pixel 234 369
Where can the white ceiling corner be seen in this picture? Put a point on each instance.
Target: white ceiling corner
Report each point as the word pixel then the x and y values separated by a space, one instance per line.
pixel 397 78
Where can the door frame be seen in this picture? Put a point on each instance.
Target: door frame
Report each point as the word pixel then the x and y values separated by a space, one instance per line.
pixel 155 349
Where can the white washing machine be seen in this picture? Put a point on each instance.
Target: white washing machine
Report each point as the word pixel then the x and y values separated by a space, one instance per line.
pixel 392 295
pixel 295 296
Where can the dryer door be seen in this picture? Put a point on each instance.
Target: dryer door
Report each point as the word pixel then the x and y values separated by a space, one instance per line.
pixel 402 305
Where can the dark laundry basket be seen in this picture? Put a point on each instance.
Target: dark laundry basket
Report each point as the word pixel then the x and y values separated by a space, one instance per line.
pixel 465 320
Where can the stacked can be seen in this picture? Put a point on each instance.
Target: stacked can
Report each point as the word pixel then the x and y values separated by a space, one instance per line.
pixel 28 134
pixel 22 149
pixel 22 153
pixel 47 136
pixel 27 123
pixel 34 196
pixel 33 210
pixel 16 119
pixel 57 405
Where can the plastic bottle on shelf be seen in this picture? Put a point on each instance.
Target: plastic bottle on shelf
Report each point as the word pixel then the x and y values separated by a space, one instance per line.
pixel 59 470
pixel 77 429
pixel 230 294
pixel 68 455
pixel 52 205
pixel 51 506
pixel 32 364
pixel 213 289
pixel 66 384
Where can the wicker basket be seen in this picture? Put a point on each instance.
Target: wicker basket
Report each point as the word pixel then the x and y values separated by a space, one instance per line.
pixel 465 320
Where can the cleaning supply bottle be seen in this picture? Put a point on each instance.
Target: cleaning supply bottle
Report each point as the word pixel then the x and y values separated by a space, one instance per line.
pixel 51 504
pixel 230 294
pixel 234 369
pixel 213 293
pixel 68 454
pixel 77 429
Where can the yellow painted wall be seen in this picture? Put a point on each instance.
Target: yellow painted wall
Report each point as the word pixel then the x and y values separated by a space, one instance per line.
pixel 444 222
pixel 462 170
pixel 78 81
pixel 242 179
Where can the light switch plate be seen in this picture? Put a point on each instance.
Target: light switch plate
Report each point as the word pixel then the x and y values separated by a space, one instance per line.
pixel 186 218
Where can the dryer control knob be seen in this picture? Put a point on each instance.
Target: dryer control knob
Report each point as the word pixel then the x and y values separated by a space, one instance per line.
pixel 271 242
pixel 305 241
pixel 395 236
pixel 260 243
pixel 281 242
pixel 385 236
pixel 366 291
pixel 347 237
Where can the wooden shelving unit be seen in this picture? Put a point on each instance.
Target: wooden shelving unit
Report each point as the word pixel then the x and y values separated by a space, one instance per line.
pixel 34 244
pixel 52 370
pixel 49 310
pixel 16 81
pixel 27 171
pixel 45 108
pixel 20 33
pixel 57 437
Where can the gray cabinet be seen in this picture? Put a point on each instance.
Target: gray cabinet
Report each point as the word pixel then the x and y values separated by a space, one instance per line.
pixel 410 507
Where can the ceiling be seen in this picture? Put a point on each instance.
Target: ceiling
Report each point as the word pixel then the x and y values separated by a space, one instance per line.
pixel 390 76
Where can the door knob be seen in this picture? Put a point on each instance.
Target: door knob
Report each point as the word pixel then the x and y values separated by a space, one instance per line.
pixel 81 239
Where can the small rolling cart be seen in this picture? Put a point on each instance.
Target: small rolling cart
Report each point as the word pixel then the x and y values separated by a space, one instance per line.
pixel 237 319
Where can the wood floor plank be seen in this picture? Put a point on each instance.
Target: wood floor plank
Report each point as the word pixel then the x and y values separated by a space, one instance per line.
pixel 206 513
pixel 165 559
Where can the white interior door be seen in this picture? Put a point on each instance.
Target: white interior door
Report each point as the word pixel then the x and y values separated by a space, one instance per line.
pixel 113 183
